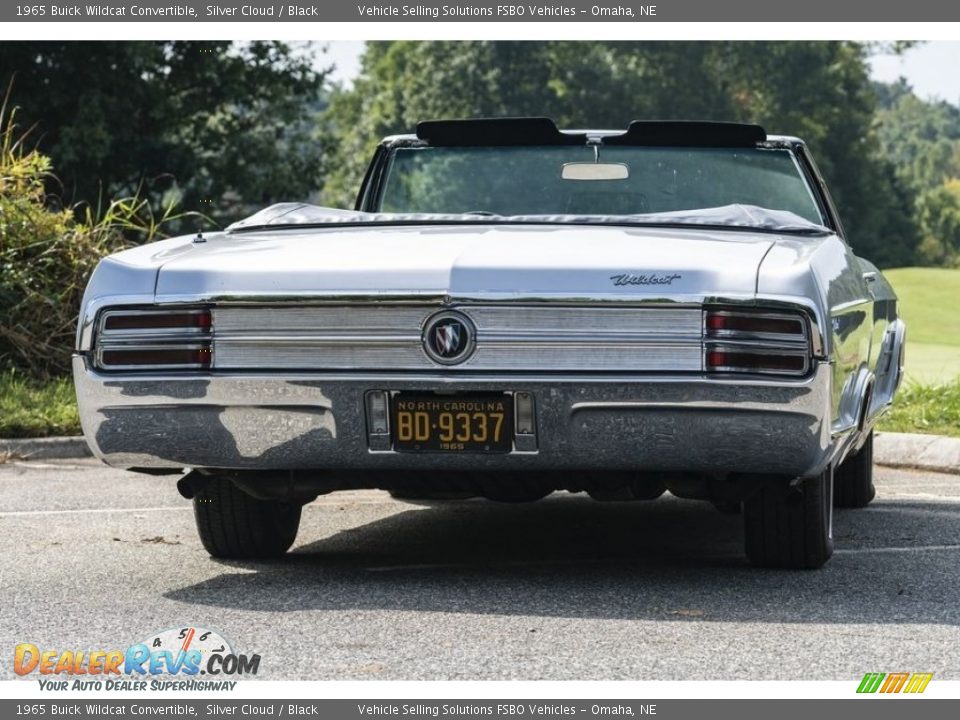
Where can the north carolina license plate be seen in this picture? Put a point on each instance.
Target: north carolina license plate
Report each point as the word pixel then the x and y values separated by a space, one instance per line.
pixel 452 423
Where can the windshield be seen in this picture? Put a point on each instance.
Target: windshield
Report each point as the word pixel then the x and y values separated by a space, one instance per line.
pixel 513 181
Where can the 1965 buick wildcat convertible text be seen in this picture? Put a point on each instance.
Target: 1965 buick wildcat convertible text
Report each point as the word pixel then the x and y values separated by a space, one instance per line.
pixel 510 310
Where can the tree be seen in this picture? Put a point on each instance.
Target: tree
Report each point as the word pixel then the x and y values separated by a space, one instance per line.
pixel 921 137
pixel 818 90
pixel 938 212
pixel 221 127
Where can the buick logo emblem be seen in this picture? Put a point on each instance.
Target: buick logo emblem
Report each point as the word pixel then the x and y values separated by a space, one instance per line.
pixel 449 338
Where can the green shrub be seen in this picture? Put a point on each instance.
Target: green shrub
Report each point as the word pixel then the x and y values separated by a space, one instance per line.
pixel 47 254
pixel 36 408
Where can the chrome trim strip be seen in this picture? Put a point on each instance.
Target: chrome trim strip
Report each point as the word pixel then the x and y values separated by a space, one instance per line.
pixel 438 377
pixel 138 334
pixel 755 345
pixel 443 299
pixel 849 305
pixel 620 357
pixel 347 338
pixel 652 405
pixel 512 339
pixel 752 371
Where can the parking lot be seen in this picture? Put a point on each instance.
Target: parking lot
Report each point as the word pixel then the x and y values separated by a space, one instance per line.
pixel 567 588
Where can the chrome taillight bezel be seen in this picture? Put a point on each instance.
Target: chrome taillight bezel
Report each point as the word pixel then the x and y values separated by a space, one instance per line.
pixel 761 342
pixel 194 336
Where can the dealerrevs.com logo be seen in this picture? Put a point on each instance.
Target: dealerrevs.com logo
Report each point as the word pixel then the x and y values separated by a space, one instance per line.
pixel 174 659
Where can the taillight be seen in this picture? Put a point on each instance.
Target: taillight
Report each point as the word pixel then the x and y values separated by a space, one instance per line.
pixel 721 322
pixel 154 339
pixel 761 342
pixel 156 320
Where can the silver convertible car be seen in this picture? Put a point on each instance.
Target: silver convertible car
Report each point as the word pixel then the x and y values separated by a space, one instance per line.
pixel 510 310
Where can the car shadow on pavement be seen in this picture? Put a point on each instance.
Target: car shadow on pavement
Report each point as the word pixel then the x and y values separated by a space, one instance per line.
pixel 572 557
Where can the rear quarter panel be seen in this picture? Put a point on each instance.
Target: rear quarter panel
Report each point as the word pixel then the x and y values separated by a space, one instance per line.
pixel 827 272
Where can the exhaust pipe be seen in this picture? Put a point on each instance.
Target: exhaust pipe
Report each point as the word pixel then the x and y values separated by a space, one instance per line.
pixel 192 483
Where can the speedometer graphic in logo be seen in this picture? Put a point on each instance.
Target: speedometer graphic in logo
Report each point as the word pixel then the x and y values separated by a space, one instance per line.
pixel 184 639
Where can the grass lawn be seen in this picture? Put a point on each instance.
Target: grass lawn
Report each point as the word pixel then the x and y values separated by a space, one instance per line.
pixel 928 409
pixel 930 305
pixel 29 408
pixel 929 401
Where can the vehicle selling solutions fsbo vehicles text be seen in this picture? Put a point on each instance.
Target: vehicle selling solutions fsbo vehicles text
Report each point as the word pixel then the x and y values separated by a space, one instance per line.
pixel 514 11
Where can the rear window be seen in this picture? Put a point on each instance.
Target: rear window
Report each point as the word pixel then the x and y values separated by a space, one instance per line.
pixel 528 181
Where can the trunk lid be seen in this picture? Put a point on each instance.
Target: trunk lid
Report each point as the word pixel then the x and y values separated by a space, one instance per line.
pixel 522 260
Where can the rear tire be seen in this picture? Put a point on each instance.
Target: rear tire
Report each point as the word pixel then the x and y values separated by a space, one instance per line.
pixel 853 483
pixel 233 524
pixel 790 526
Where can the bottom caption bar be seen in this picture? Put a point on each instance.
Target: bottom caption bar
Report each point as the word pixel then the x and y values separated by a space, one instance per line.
pixel 468 709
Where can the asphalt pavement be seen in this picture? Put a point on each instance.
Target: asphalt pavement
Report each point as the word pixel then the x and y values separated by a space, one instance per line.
pixel 567 588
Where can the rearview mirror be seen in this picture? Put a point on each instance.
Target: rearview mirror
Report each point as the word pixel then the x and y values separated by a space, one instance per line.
pixel 595 171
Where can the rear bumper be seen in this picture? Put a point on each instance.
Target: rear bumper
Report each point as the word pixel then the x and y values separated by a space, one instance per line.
pixel 302 421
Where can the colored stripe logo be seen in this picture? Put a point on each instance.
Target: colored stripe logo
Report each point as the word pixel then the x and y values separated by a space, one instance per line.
pixel 898 682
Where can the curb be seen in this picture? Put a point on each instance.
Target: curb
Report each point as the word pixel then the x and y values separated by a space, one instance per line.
pixel 899 450
pixel 920 452
pixel 51 448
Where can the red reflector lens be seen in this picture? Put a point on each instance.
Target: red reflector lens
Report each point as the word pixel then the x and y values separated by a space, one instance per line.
pixel 755 361
pixel 158 356
pixel 158 321
pixel 746 323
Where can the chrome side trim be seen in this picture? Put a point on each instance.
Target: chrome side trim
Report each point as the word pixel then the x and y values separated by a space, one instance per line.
pixel 889 370
pixel 849 305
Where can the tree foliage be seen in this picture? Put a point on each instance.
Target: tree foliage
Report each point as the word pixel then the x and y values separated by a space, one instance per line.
pixel 820 91
pixel 938 214
pixel 225 128
pixel 922 137
pixel 47 254
pixel 220 126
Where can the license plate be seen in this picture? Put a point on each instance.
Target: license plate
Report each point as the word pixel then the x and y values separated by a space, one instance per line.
pixel 452 423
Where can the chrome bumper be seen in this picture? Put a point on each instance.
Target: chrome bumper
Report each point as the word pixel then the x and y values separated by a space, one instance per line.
pixel 299 421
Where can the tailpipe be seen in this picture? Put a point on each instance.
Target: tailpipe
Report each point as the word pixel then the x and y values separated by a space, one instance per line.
pixel 191 484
